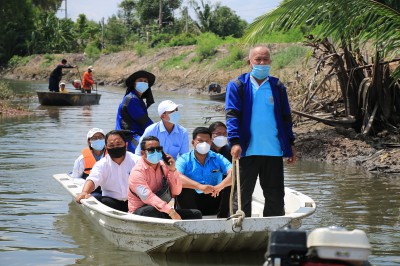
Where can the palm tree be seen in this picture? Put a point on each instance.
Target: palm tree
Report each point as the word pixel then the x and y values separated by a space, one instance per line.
pixel 369 94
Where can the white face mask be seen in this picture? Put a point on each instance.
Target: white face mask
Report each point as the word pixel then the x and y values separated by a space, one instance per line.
pixel 220 141
pixel 203 148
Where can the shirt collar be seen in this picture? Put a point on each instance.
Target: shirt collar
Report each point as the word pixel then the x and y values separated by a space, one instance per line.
pixel 163 129
pixel 255 83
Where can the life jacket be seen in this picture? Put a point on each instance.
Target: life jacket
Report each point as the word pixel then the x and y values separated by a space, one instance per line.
pixel 89 161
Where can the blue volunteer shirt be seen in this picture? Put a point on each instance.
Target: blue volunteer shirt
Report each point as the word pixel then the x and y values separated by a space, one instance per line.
pixel 174 143
pixel 215 166
pixel 264 132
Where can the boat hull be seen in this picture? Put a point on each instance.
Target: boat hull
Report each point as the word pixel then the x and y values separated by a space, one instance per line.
pixel 218 97
pixel 67 99
pixel 146 234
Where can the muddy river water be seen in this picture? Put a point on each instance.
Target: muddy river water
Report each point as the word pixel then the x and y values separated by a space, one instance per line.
pixel 41 225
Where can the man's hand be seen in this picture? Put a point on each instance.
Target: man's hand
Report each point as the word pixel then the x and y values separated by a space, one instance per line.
pixel 83 195
pixel 236 151
pixel 292 160
pixel 217 190
pixel 207 189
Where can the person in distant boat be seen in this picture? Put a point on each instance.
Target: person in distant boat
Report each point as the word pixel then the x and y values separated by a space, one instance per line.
pixel 201 173
pixel 259 123
pixel 77 84
pixel 111 173
pixel 220 145
pixel 172 136
pixel 214 88
pixel 56 75
pixel 132 113
pixel 87 81
pixel 62 88
pixel 154 182
pixel 90 155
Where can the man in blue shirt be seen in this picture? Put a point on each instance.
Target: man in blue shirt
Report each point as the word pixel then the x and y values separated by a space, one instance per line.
pixel 172 136
pixel 202 172
pixel 259 125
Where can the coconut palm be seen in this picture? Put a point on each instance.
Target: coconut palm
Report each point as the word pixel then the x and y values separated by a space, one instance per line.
pixel 341 27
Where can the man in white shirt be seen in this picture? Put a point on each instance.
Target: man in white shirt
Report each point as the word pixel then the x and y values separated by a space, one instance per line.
pixel 172 136
pixel 111 173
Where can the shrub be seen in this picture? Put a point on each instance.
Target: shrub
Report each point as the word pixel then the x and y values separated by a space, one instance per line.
pixel 92 51
pixel 140 49
pixel 234 58
pixel 175 62
pixel 183 39
pixel 18 61
pixel 5 90
pixel 207 44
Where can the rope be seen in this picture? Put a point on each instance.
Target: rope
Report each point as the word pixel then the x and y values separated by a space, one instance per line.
pixel 237 226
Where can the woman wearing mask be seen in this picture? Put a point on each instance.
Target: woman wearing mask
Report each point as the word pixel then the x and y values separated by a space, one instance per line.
pixel 132 113
pixel 90 155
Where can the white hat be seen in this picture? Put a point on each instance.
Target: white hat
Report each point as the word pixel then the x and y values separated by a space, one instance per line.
pixel 94 131
pixel 90 67
pixel 167 106
pixel 62 83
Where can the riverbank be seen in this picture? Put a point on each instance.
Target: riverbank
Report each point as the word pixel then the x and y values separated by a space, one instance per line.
pixel 315 141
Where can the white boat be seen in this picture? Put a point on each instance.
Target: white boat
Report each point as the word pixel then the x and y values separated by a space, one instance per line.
pixel 146 234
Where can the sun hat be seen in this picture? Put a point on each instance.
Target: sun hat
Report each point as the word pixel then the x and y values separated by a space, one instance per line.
pixel 94 131
pixel 90 68
pixel 167 106
pixel 140 74
pixel 62 83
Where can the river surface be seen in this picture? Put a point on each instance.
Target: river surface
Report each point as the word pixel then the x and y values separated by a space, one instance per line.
pixel 41 225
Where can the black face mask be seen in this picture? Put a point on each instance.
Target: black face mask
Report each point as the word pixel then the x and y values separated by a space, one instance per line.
pixel 117 152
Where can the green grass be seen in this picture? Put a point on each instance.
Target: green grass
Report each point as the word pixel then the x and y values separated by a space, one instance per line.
pixel 175 62
pixel 288 56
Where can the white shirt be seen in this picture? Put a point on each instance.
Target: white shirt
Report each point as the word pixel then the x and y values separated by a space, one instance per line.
pixel 79 167
pixel 113 177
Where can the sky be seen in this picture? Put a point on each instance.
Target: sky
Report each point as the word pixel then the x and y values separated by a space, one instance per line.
pixel 97 9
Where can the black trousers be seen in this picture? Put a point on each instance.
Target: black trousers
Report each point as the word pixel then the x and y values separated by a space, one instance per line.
pixel 269 169
pixel 114 203
pixel 186 214
pixel 53 84
pixel 190 199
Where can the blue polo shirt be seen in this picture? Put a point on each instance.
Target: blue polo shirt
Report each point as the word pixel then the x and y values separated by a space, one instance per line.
pixel 264 132
pixel 174 143
pixel 215 166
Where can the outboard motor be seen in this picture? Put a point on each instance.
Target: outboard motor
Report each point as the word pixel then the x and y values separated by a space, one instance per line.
pixel 331 246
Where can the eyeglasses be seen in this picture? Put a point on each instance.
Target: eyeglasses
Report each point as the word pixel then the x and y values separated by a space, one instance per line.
pixel 153 149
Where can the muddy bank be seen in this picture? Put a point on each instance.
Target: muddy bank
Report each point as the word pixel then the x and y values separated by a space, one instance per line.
pixel 315 141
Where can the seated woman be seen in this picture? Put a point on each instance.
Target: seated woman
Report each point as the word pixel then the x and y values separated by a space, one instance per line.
pixel 148 177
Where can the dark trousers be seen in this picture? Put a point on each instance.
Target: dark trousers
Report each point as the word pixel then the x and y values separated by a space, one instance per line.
pixel 186 214
pixel 53 84
pixel 114 203
pixel 270 171
pixel 86 91
pixel 223 211
pixel 190 199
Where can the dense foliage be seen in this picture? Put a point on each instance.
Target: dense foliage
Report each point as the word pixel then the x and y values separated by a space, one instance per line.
pixel 32 27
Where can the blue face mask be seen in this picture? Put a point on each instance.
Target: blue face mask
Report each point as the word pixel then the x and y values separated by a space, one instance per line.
pixel 174 117
pixel 260 71
pixel 142 86
pixel 154 157
pixel 98 145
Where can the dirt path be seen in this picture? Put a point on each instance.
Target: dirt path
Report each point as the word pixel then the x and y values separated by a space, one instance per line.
pixel 315 141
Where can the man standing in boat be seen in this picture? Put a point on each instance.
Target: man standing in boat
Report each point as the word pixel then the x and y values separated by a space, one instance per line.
pixel 260 131
pixel 154 182
pixel 172 136
pixel 111 173
pixel 56 75
pixel 87 81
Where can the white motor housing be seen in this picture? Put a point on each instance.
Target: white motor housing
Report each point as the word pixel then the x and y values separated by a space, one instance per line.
pixel 339 244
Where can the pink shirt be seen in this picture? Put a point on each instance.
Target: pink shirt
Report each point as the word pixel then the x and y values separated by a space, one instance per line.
pixel 145 181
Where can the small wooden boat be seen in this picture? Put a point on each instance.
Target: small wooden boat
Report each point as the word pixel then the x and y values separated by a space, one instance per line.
pixel 67 99
pixel 218 97
pixel 154 235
